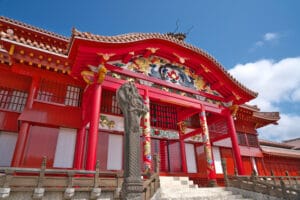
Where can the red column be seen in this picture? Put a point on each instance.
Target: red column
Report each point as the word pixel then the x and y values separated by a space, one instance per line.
pixel 211 171
pixel 93 130
pixel 182 128
pixel 235 145
pixel 183 155
pixel 147 135
pixel 79 151
pixel 23 132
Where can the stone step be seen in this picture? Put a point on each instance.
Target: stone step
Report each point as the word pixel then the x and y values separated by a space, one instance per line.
pixel 174 178
pixel 193 191
pixel 194 194
pixel 205 198
pixel 173 188
pixel 176 184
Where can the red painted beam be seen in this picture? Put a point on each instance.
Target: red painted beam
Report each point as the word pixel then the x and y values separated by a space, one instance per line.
pixel 159 95
pixel 191 134
pixel 182 115
pixel 216 85
pixel 127 57
pixel 220 137
pixel 213 119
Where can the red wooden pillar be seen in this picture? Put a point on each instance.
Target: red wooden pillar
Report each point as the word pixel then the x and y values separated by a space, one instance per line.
pixel 93 130
pixel 183 155
pixel 79 151
pixel 23 133
pixel 235 145
pixel 182 128
pixel 147 135
pixel 210 165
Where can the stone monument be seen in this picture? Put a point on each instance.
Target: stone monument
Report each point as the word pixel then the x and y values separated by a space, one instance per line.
pixel 133 108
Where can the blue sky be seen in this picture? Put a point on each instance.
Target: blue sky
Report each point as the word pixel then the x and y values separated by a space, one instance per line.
pixel 256 40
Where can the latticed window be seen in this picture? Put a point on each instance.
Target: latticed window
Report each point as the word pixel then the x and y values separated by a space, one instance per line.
pixel 13 100
pixel 109 103
pixel 242 139
pixel 163 116
pixel 73 96
pixel 56 92
pixel 252 140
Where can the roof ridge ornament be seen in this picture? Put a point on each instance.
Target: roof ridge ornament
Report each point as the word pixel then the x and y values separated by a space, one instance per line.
pixel 178 36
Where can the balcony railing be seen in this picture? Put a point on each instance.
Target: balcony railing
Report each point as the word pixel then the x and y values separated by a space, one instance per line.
pixel 285 187
pixel 68 182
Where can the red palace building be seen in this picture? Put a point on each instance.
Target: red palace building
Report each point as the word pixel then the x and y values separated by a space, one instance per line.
pixel 58 99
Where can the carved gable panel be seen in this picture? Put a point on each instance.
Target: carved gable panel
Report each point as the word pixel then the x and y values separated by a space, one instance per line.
pixel 163 69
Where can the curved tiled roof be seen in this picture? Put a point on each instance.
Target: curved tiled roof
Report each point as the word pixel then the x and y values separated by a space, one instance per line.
pixel 134 37
pixel 33 43
pixel 250 107
pixel 274 144
pixel 272 116
pixel 125 38
pixel 15 22
pixel 280 151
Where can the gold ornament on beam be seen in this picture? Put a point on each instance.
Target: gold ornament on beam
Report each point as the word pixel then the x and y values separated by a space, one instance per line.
pixel 237 97
pixel 205 68
pixel 106 56
pixel 181 59
pixel 182 127
pixel 153 50
pixel 95 75
pixel 233 109
pixel 200 83
pixel 11 50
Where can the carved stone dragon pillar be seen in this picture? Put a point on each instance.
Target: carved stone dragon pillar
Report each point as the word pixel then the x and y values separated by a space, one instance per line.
pixel 133 108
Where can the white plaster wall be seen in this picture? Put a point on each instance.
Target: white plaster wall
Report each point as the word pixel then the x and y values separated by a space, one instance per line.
pixel 115 144
pixel 254 164
pixel 217 160
pixel 7 146
pixel 190 158
pixel 65 147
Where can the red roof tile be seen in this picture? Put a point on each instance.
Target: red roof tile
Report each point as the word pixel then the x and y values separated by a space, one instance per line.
pixel 280 151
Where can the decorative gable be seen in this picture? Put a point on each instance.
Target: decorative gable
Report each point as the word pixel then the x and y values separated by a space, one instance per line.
pixel 163 69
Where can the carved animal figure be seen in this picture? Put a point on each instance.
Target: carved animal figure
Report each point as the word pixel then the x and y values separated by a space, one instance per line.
pixel 133 108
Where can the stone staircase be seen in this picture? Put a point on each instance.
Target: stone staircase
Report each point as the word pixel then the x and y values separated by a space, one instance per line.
pixel 173 188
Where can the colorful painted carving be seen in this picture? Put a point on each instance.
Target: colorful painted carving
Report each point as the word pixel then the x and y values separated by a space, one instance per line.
pixel 207 147
pixel 104 121
pixel 170 134
pixel 161 68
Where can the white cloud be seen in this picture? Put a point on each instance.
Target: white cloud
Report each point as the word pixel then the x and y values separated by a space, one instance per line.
pixel 271 36
pixel 276 82
pixel 296 95
pixel 267 38
pixel 259 44
pixel 288 128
